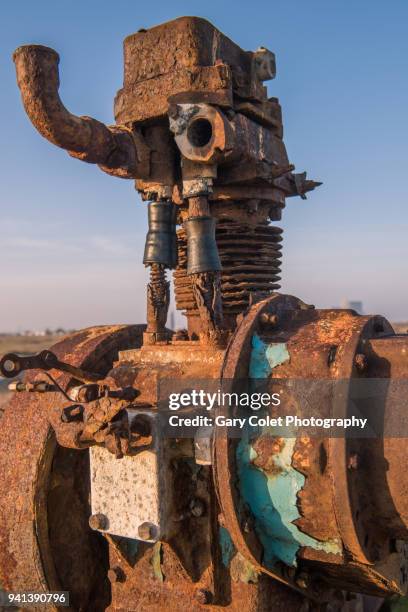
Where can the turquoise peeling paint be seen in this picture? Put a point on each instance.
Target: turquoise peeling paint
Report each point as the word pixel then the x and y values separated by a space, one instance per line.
pixel 226 545
pixel 272 497
pixel 265 357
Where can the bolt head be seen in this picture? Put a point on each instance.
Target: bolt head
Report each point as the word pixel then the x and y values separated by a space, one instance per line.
pixel 147 531
pixel 197 507
pixel 116 574
pixel 98 521
pixel 303 581
pixel 353 461
pixel 361 362
pixel 248 525
pixel 269 319
pixel 265 63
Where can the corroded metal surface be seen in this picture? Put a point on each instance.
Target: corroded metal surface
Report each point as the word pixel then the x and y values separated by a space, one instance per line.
pixel 236 368
pixel 128 493
pixel 158 300
pixel 34 538
pixel 194 127
pixel 250 257
pixel 267 519
pixel 84 137
pixel 331 540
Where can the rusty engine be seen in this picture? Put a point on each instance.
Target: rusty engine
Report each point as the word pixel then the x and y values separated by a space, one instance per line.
pixel 96 498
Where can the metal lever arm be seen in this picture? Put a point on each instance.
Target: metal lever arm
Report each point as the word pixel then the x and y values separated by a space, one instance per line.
pixel 12 365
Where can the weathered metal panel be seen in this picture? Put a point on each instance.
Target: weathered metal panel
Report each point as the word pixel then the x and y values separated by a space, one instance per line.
pixel 126 491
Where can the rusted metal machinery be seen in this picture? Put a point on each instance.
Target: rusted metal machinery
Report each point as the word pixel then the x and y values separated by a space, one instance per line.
pixel 97 498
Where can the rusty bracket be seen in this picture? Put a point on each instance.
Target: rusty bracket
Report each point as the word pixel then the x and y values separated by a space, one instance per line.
pixel 12 364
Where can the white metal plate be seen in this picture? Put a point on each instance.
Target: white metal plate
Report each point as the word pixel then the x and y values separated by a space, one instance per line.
pixel 125 490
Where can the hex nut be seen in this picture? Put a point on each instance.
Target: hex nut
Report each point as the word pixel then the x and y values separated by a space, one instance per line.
pixel 147 531
pixel 353 461
pixel 361 362
pixel 303 581
pixel 269 319
pixel 116 574
pixel 197 507
pixel 265 64
pixel 98 521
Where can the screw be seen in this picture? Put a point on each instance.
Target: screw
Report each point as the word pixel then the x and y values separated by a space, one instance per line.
pixel 269 319
pixel 360 361
pixel 116 574
pixel 197 507
pixel 146 531
pixel 203 597
pixel 98 521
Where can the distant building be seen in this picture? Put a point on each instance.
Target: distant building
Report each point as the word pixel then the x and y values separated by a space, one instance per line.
pixel 356 305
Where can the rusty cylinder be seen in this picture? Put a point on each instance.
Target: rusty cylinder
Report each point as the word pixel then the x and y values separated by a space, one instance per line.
pixel 161 239
pixel 202 250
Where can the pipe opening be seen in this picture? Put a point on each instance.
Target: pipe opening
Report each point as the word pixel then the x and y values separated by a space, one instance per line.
pixel 199 132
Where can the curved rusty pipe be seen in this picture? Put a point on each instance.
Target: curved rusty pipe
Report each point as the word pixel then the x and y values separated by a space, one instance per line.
pixel 83 137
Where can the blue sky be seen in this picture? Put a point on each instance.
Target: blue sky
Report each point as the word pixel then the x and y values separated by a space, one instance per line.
pixel 72 237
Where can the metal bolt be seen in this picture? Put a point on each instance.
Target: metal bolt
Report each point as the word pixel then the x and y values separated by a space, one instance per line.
pixel 302 581
pixel 269 319
pixel 360 361
pixel 146 531
pixel 353 461
pixel 98 521
pixel 9 365
pixel 197 507
pixel 116 574
pixel 141 425
pixel 290 572
pixel 265 64
pixel 203 596
pixel 248 524
pixel 72 413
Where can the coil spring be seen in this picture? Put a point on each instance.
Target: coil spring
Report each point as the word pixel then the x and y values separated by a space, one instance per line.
pixel 157 273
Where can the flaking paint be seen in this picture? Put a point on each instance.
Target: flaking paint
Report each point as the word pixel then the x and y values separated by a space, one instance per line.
pixel 265 357
pixel 272 497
